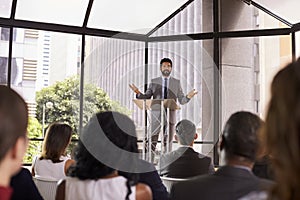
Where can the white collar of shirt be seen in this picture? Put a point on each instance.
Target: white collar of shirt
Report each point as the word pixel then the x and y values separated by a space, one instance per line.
pixel 185 146
pixel 163 78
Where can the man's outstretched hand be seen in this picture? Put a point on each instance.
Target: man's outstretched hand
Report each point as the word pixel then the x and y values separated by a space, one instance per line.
pixel 191 94
pixel 134 88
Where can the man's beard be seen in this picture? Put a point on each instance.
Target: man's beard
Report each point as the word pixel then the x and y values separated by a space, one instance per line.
pixel 166 73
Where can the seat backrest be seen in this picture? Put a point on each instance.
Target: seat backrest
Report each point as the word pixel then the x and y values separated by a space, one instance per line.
pixel 47 187
pixel 168 181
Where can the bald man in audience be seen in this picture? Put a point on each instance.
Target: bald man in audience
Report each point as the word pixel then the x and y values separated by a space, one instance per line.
pixel 185 162
pixel 234 179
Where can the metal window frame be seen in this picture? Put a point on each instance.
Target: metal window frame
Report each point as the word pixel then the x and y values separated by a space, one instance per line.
pixel 216 35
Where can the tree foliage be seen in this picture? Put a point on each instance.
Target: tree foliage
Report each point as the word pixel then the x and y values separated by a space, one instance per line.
pixel 64 96
pixel 34 130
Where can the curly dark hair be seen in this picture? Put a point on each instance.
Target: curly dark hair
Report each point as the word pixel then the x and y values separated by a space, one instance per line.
pixel 87 165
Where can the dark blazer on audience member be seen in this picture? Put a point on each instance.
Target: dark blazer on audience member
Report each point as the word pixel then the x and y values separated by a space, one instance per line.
pixel 263 168
pixel 184 163
pixel 228 183
pixel 24 187
pixel 152 179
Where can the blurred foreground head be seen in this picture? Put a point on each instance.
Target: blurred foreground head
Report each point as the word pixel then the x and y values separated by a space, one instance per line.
pixel 282 131
pixel 13 129
pixel 108 143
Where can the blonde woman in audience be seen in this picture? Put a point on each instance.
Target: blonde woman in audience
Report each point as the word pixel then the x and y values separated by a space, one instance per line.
pixel 101 150
pixel 13 137
pixel 53 162
pixel 282 135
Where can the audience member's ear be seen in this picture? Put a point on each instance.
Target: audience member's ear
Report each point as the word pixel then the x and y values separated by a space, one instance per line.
pixel 17 153
pixel 222 143
pixel 176 138
pixel 196 136
pixel 19 149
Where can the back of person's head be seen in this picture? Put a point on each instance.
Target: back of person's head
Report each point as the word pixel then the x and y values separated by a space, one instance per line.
pixel 185 132
pixel 117 129
pixel 13 120
pixel 57 138
pixel 282 131
pixel 240 138
pixel 168 60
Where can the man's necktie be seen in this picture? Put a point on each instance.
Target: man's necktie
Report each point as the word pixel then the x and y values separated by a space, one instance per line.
pixel 165 88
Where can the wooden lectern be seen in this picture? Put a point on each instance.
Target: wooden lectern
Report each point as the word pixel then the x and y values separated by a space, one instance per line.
pixel 156 104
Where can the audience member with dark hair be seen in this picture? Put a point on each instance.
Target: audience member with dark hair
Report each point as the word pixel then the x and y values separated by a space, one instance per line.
pixel 151 178
pixel 238 148
pixel 282 134
pixel 24 187
pixel 99 155
pixel 53 162
pixel 185 162
pixel 13 137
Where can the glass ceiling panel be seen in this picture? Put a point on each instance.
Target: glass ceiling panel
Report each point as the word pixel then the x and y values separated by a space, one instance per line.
pixel 5 8
pixel 136 16
pixel 67 12
pixel 287 9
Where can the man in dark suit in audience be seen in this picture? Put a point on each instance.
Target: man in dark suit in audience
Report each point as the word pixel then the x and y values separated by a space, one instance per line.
pixel 238 148
pixel 185 162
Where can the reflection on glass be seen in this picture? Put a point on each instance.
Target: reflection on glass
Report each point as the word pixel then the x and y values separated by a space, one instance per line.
pixel 237 16
pixel 138 16
pixel 248 67
pixel 197 17
pixel 3 55
pixel 5 8
pixel 45 69
pixel 288 9
pixel 68 12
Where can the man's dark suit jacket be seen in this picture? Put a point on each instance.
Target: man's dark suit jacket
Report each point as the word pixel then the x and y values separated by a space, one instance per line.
pixel 174 92
pixel 228 183
pixel 184 163
pixel 24 187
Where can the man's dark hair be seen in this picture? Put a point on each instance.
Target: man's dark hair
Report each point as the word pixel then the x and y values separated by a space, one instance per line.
pixel 166 60
pixel 185 131
pixel 239 136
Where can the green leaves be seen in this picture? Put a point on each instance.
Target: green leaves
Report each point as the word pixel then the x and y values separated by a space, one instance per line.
pixel 64 96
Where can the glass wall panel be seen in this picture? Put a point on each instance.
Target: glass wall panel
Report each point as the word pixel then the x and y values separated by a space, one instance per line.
pixel 194 67
pixel 113 64
pixel 248 67
pixel 136 16
pixel 238 16
pixel 287 9
pixel 46 73
pixel 3 55
pixel 195 18
pixel 52 11
pixel 297 44
pixel 5 8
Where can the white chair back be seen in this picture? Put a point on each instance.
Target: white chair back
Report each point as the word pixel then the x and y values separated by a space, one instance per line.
pixel 168 181
pixel 47 187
